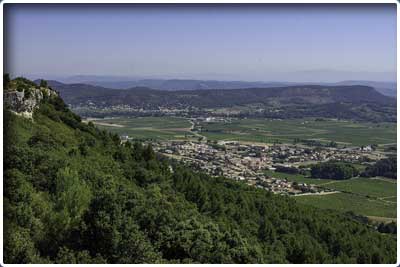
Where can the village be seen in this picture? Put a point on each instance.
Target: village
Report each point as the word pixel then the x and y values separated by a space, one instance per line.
pixel 250 162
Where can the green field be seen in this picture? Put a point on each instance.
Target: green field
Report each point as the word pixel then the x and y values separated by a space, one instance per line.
pixel 365 196
pixel 371 188
pixel 297 178
pixel 256 130
pixel 269 131
pixel 158 128
pixel 393 199
pixel 350 202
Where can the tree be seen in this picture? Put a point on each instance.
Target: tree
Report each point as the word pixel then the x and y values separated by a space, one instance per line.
pixel 148 153
pixel 43 83
pixel 72 196
pixel 333 170
pixel 384 167
pixel 266 231
pixel 19 246
pixel 134 247
pixel 6 80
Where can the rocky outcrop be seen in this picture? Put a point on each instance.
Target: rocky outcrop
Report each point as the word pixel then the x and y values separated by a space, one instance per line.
pixel 24 103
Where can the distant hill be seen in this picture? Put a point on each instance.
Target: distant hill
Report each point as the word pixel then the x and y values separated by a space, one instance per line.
pixel 179 84
pixel 350 102
pixel 386 88
pixel 76 93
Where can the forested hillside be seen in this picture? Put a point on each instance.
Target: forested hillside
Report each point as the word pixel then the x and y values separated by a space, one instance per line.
pixel 210 98
pixel 354 102
pixel 385 88
pixel 74 194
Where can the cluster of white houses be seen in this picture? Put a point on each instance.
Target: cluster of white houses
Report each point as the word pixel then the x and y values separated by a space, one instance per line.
pixel 249 162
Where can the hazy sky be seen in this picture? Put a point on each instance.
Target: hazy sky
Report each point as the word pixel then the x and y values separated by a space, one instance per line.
pixel 242 42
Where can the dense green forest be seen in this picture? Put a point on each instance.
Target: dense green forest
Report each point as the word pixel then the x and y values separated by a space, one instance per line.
pixel 333 170
pixel 74 194
pixel 385 167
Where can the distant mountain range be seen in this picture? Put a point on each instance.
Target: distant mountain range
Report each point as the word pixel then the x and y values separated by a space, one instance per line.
pixel 386 88
pixel 350 102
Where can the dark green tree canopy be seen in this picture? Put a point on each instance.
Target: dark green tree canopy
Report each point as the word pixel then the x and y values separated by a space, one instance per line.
pixel 333 170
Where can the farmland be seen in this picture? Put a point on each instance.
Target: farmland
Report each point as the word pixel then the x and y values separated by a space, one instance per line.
pixel 349 202
pixel 297 178
pixel 373 197
pixel 157 128
pixel 370 188
pixel 269 131
pixel 256 130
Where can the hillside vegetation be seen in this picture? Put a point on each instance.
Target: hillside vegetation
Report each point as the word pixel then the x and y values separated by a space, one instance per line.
pixel 74 194
pixel 354 102
pixel 386 88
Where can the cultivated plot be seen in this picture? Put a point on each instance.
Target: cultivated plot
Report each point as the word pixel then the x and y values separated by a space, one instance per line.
pixel 157 128
pixel 269 131
pixel 351 202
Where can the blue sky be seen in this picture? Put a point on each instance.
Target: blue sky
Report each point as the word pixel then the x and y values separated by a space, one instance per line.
pixel 242 42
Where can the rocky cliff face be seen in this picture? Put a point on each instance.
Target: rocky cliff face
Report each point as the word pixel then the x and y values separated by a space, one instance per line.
pixel 24 103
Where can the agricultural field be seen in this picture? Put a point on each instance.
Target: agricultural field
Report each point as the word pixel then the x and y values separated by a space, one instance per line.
pixel 297 178
pixel 254 130
pixel 157 128
pixel 366 187
pixel 285 131
pixel 372 197
pixel 372 208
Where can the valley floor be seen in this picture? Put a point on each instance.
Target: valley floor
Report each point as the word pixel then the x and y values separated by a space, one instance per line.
pixel 372 197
